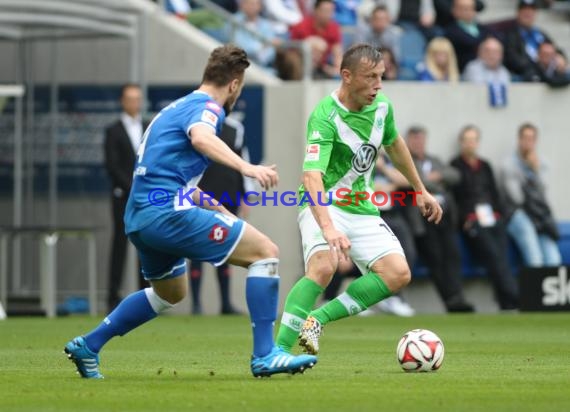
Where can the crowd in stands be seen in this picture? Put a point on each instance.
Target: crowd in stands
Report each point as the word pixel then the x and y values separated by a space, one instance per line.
pixel 427 40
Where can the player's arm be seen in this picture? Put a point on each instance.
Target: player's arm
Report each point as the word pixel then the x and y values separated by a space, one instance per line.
pixel 402 160
pixel 206 142
pixel 313 183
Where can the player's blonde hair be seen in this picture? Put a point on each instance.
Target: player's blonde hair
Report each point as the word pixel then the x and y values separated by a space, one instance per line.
pixel 352 57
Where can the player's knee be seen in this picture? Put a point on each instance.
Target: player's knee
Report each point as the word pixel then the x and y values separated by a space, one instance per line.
pixel 268 249
pixel 322 272
pixel 176 296
pixel 172 294
pixel 406 276
pixel 403 276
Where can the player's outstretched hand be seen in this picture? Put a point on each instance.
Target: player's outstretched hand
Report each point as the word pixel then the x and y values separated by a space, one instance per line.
pixel 338 243
pixel 430 207
pixel 266 175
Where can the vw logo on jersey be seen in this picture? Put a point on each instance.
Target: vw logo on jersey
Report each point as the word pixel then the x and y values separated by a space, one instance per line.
pixel 364 158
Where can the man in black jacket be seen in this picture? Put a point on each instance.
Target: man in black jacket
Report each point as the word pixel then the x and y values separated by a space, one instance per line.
pixel 122 139
pixel 482 216
pixel 465 33
pixel 522 43
pixel 437 244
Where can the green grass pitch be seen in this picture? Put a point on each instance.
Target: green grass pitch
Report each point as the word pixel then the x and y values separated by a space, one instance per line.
pixel 515 362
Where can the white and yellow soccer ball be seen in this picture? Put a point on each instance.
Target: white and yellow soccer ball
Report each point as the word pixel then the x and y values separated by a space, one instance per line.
pixel 420 350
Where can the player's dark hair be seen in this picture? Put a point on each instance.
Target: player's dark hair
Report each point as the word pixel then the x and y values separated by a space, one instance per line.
pixel 525 126
pixel 465 129
pixel 225 64
pixel 353 56
pixel 127 86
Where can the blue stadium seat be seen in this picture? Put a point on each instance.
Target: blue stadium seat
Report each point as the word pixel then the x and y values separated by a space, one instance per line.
pixel 413 46
pixel 564 242
pixel 469 268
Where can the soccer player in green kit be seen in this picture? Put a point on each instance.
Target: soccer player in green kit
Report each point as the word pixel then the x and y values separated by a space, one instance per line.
pixel 345 133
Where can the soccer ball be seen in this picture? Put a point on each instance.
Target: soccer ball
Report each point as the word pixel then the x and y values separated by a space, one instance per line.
pixel 420 350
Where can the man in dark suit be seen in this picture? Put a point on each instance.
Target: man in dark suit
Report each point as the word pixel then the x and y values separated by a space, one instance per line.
pixel 122 139
pixel 482 214
pixel 465 33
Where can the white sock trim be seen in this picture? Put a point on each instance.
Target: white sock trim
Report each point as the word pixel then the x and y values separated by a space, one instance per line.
pixel 264 268
pixel 351 306
pixel 158 304
pixel 292 321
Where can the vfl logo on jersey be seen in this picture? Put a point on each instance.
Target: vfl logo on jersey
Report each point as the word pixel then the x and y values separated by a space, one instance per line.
pixel 316 135
pixel 214 107
pixel 364 158
pixel 210 118
pixel 379 123
pixel 313 152
pixel 218 234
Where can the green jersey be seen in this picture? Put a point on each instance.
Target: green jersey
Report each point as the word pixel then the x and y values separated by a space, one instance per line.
pixel 343 146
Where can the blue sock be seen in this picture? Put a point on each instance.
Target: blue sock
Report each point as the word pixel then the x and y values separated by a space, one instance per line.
pixel 133 311
pixel 262 296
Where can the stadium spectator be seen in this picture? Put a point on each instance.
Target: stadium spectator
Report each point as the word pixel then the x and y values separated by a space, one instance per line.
pixel 285 13
pixel 522 42
pixel 378 31
pixel 410 15
pixel 437 245
pixel 481 217
pixel 209 21
pixel 488 67
pixel 224 184
pixel 346 12
pixel 289 60
pixel 231 6
pixel 391 64
pixel 465 33
pixel 122 139
pixel 440 62
pixel 532 226
pixel 181 8
pixel 444 11
pixel 321 25
pixel 249 15
pixel 552 67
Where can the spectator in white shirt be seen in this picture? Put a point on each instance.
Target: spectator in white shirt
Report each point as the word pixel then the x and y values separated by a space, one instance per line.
pixel 488 67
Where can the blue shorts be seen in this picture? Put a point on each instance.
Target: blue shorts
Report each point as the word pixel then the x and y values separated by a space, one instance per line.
pixel 196 234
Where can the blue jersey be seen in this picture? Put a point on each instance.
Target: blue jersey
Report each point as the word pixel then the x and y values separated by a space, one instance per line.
pixel 167 163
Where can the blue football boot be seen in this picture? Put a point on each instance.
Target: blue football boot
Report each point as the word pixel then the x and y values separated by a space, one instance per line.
pixel 279 361
pixel 86 361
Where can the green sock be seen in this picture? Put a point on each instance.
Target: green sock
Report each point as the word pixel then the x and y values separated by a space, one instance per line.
pixel 360 295
pixel 300 300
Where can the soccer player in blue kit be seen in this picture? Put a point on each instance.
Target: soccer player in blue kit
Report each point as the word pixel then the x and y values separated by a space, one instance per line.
pixel 168 219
